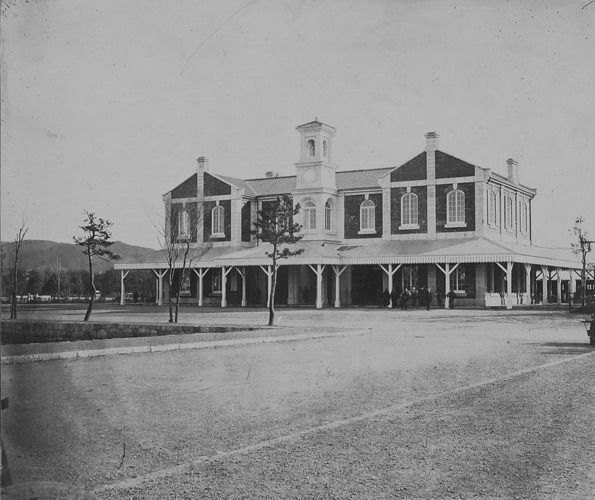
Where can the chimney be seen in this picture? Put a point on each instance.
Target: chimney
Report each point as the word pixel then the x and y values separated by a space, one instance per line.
pixel 431 141
pixel 513 171
pixel 203 163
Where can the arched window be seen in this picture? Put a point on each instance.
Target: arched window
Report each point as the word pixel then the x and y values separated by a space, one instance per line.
pixel 328 216
pixel 311 147
pixel 218 221
pixel 325 148
pixel 455 208
pixel 409 212
pixel 492 206
pixel 508 206
pixel 367 216
pixel 309 215
pixel 183 225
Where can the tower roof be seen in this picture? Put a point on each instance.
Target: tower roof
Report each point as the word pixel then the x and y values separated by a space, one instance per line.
pixel 315 125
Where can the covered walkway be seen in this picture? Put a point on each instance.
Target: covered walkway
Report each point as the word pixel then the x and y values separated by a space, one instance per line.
pixel 479 271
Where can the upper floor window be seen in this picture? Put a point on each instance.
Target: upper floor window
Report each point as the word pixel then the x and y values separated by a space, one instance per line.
pixel 508 206
pixel 311 147
pixel 218 221
pixel 325 148
pixel 455 208
pixel 309 215
pixel 409 211
pixel 524 215
pixel 367 216
pixel 492 206
pixel 328 216
pixel 183 225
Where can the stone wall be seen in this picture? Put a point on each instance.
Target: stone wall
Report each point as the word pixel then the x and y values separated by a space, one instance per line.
pixel 27 332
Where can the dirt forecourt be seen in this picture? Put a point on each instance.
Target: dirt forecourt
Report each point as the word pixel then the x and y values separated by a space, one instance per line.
pixel 415 404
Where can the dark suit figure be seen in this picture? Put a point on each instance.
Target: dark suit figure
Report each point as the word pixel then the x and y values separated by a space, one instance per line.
pixel 428 299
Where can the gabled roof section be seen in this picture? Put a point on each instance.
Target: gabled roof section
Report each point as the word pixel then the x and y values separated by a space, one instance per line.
pixel 412 170
pixel 214 185
pixel 186 189
pixel 451 166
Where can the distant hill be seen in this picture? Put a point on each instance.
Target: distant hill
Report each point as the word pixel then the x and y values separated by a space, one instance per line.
pixel 41 255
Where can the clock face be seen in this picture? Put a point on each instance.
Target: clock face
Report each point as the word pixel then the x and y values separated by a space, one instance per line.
pixel 309 175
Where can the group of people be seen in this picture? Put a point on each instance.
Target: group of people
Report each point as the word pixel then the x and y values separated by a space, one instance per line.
pixel 407 297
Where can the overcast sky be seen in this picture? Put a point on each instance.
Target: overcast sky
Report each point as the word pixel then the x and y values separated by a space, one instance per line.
pixel 107 104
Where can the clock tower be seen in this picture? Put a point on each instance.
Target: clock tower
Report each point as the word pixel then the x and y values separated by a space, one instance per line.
pixel 316 185
pixel 315 170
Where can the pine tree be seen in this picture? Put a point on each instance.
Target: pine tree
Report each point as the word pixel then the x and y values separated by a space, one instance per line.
pixel 95 242
pixel 275 226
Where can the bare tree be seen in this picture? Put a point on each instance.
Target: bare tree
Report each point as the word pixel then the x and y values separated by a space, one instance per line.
pixel 176 238
pixel 275 226
pixel 95 242
pixel 581 246
pixel 14 266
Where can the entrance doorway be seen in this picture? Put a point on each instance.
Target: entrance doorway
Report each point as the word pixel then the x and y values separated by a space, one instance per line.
pixel 366 285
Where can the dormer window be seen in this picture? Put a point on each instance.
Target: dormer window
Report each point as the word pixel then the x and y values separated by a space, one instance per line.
pixel 311 146
pixel 367 217
pixel 309 215
pixel 455 208
pixel 218 221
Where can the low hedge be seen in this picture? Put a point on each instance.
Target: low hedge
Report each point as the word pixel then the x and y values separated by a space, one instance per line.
pixel 28 332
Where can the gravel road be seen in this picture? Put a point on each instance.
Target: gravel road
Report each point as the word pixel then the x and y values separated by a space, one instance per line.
pixel 437 405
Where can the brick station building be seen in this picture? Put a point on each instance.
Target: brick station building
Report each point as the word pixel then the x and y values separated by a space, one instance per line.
pixel 435 222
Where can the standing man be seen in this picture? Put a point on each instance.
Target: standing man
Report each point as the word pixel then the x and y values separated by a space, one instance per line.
pixel 428 298
pixel 405 298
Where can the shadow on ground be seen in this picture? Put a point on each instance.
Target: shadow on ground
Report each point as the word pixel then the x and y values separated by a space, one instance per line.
pixel 567 347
